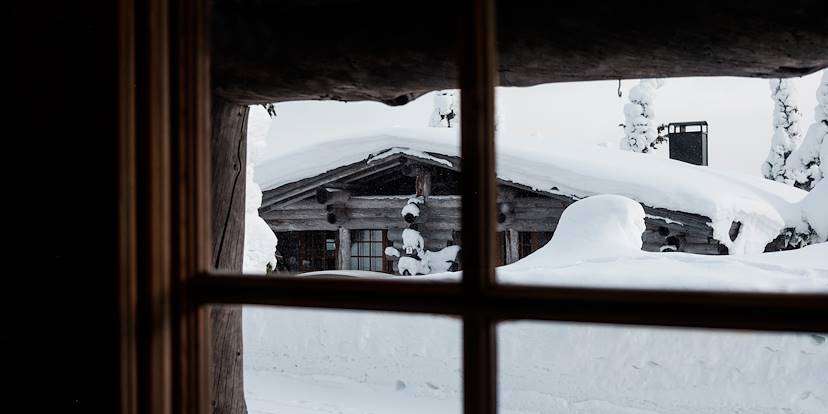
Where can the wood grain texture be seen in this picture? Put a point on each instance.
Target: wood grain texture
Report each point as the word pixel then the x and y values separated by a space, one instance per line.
pixel 228 156
pixel 382 51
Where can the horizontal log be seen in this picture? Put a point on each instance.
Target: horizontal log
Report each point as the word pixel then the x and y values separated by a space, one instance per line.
pixel 325 195
pixel 356 51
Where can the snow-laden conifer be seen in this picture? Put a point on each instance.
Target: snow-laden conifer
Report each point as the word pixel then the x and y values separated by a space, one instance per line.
pixel 787 133
pixel 446 111
pixel 805 166
pixel 641 134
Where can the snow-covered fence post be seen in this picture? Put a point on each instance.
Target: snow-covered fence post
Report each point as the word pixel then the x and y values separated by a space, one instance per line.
pixel 446 111
pixel 787 133
pixel 805 167
pixel 640 132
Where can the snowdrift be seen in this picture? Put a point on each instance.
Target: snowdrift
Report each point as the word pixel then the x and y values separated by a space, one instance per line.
pixel 305 361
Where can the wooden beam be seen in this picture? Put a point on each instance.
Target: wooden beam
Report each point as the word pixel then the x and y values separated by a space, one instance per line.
pixel 477 65
pixel 783 312
pixel 512 246
pixel 228 163
pixel 423 183
pixel 343 252
pixel 328 195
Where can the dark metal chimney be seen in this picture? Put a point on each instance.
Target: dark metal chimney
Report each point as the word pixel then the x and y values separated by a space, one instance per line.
pixel 688 141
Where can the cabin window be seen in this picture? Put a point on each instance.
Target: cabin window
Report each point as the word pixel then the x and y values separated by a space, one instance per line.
pixel 367 250
pixel 533 240
pixel 306 251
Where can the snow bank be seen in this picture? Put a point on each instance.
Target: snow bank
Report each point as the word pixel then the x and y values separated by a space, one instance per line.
pixel 598 244
pixel 764 208
pixel 815 210
pixel 598 226
pixel 306 361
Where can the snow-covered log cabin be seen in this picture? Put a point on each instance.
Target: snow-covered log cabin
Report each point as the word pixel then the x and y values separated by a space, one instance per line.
pixel 339 204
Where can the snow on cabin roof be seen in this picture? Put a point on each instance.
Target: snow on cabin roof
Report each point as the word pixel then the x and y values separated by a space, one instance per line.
pixel 763 207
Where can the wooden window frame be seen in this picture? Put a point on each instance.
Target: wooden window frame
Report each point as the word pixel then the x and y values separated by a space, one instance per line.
pixel 166 281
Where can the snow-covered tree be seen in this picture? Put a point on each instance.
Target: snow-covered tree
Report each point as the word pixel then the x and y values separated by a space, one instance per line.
pixel 415 259
pixel 787 133
pixel 259 240
pixel 446 112
pixel 805 166
pixel 640 131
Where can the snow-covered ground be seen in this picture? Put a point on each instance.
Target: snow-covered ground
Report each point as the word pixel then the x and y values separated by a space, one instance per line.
pixel 311 361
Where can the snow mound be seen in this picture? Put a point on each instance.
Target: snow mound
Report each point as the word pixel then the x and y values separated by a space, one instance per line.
pixel 598 226
pixel 763 207
pixel 815 209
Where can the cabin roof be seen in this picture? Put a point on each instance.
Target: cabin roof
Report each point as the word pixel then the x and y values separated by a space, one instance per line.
pixel 763 207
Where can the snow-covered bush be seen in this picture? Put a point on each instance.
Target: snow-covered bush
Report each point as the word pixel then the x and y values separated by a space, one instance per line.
pixel 446 112
pixel 640 131
pixel 415 259
pixel 411 210
pixel 787 133
pixel 804 166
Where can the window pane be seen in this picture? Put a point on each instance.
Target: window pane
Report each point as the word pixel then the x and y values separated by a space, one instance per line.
pixel 334 175
pixel 350 362
pixel 608 369
pixel 354 263
pixel 376 265
pixel 622 201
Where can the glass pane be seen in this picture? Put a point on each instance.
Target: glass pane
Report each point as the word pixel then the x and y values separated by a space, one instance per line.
pixel 364 248
pixel 583 202
pixel 352 149
pixel 364 263
pixel 376 265
pixel 354 263
pixel 350 362
pixel 609 369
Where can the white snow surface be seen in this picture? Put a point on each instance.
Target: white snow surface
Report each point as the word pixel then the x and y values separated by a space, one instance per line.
pixel 815 210
pixel 763 207
pixel 309 362
pixel 313 362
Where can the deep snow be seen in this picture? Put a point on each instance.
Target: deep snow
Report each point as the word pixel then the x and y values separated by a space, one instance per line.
pixel 311 361
pixel 763 207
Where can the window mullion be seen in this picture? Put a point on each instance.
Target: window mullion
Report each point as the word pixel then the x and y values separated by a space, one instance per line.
pixel 477 67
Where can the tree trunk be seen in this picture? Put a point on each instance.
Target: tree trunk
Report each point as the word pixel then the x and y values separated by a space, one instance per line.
pixel 229 159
